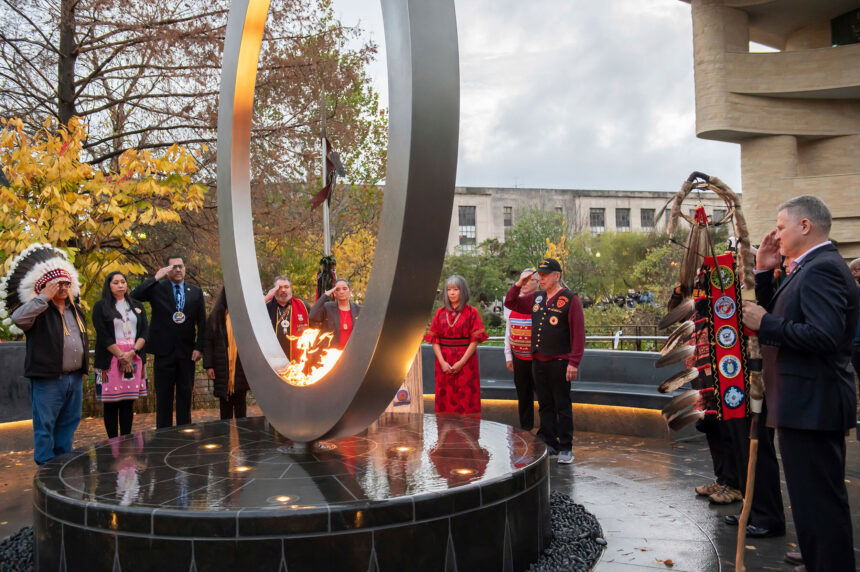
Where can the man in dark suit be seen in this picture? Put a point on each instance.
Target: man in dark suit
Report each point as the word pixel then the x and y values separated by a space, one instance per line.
pixel 805 327
pixel 176 338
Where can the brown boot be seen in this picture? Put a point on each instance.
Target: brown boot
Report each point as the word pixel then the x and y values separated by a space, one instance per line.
pixel 726 495
pixel 709 489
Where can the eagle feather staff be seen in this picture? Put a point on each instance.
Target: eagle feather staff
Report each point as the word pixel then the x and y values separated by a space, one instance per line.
pixel 729 361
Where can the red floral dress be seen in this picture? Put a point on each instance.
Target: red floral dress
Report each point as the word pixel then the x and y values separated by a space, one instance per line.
pixel 454 331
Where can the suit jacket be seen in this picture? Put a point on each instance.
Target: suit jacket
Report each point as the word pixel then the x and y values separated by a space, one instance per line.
pixel 806 343
pixel 165 336
pixel 326 314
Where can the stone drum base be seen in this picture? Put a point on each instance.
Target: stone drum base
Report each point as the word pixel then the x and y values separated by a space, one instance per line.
pixel 416 492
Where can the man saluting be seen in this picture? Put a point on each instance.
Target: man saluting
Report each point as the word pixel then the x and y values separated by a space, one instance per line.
pixel 177 335
pixel 805 326
pixel 558 342
pixel 288 315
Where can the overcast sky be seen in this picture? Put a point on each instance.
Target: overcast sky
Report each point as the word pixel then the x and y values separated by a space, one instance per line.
pixel 594 94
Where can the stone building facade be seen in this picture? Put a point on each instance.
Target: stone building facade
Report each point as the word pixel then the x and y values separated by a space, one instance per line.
pixel 795 112
pixel 481 213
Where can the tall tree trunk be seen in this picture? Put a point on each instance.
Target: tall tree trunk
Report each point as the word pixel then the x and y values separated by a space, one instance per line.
pixel 66 62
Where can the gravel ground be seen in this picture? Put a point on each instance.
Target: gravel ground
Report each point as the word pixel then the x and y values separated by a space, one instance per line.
pixel 16 551
pixel 577 537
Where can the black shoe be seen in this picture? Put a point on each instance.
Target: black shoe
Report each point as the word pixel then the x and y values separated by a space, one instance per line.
pixel 732 519
pixel 754 531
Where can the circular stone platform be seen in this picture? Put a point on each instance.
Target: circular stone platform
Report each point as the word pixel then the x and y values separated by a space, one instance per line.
pixel 429 492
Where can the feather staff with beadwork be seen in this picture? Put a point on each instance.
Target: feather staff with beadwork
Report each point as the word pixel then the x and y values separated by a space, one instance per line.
pixel 723 358
pixel 39 292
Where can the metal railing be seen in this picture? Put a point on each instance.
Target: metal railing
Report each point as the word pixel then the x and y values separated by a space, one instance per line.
pixel 616 339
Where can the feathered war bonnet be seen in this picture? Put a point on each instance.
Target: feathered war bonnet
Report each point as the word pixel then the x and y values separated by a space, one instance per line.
pixel 30 271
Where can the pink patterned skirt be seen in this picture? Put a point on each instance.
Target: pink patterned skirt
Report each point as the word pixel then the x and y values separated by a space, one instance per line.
pixel 115 385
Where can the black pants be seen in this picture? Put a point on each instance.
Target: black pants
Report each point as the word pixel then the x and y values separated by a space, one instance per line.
pixel 767 510
pixel 524 383
pixel 855 361
pixel 121 412
pixel 173 375
pixel 720 447
pixel 554 405
pixel 814 465
pixel 234 406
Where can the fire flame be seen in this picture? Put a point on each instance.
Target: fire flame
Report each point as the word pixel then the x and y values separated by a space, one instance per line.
pixel 313 361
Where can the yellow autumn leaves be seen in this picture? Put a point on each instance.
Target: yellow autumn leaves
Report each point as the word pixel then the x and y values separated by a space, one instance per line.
pixel 95 213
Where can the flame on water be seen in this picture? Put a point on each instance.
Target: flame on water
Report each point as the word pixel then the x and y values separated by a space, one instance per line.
pixel 314 359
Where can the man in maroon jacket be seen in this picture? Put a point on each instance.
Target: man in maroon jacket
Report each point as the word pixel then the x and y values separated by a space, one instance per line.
pixel 558 341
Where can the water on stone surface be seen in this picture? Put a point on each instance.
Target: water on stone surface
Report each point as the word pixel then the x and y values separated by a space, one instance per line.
pixel 239 465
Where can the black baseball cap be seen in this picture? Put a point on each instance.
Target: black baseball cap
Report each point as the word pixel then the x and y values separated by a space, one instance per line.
pixel 549 265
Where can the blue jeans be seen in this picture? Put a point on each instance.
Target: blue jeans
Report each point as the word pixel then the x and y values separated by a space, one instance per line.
pixel 56 414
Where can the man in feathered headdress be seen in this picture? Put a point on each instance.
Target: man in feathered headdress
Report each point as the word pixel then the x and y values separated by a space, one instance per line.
pixel 40 290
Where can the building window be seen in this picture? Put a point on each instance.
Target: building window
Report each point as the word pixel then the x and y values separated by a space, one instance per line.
pixel 508 216
pixel 466 229
pixel 845 29
pixel 646 218
pixel 718 215
pixel 597 220
pixel 559 211
pixel 622 220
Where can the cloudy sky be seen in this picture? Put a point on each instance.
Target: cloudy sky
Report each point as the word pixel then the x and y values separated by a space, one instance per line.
pixel 594 94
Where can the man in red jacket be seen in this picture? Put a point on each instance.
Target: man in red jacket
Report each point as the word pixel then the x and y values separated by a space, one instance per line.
pixel 558 342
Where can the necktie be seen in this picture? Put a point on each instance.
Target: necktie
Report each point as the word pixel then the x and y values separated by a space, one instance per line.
pixel 791 266
pixel 177 293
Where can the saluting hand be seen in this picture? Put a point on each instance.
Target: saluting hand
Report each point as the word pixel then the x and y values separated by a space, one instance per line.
pixel 50 290
pixel 162 272
pixel 329 292
pixel 269 295
pixel 523 279
pixel 767 257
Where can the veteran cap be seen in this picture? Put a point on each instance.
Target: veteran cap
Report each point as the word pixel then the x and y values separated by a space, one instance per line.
pixel 549 265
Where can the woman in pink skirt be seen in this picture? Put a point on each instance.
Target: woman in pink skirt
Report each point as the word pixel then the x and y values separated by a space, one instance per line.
pixel 121 331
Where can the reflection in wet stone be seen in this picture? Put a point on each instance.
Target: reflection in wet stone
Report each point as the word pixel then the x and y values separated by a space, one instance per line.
pixel 241 482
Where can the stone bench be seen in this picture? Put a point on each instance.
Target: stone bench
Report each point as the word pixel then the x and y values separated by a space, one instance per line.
pixel 606 377
pixel 616 391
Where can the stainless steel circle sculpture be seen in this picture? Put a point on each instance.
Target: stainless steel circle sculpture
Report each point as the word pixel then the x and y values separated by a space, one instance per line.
pixel 424 99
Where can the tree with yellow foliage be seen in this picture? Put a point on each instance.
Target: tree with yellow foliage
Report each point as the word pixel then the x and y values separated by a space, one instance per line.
pixel 96 215
pixel 354 256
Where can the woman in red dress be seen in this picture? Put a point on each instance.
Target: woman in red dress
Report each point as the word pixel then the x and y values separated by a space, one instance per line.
pixel 455 332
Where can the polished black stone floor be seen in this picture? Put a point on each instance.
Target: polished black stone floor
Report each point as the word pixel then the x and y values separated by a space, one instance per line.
pixel 464 493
